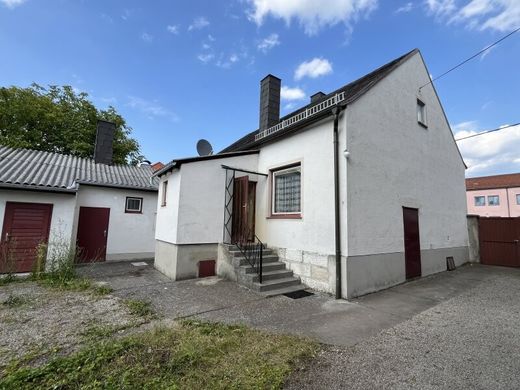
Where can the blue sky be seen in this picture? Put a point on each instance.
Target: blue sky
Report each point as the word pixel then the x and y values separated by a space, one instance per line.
pixel 180 71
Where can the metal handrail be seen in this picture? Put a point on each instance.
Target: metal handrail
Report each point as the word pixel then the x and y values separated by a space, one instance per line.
pixel 252 249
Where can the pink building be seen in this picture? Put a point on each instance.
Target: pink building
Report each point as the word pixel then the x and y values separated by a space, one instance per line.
pixel 494 196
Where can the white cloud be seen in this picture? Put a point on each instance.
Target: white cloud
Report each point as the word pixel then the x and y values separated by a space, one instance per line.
pixel 211 38
pixel 312 15
pixel 12 3
pixel 268 43
pixel 500 15
pixel 173 28
pixel 314 68
pixel 151 108
pixel 291 94
pixel 405 8
pixel 491 153
pixel 146 37
pixel 205 58
pixel 198 23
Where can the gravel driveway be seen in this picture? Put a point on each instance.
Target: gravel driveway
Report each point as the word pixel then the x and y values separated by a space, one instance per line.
pixel 471 341
pixel 35 320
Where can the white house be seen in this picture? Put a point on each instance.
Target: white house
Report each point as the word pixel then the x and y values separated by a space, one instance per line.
pixel 359 190
pixel 109 210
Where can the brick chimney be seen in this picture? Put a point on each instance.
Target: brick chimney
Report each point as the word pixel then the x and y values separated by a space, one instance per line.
pixel 269 101
pixel 317 96
pixel 103 150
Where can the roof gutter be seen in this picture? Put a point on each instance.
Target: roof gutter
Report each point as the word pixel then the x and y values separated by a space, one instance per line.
pixel 337 227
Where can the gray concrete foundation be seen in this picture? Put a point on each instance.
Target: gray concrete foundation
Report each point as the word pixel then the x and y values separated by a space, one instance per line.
pixel 181 261
pixel 370 273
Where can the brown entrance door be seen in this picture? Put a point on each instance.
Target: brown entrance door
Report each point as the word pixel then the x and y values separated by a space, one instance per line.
pixel 412 245
pixel 93 233
pixel 26 226
pixel 243 222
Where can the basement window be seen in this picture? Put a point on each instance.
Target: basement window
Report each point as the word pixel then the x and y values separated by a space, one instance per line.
pixel 480 200
pixel 286 194
pixel 134 205
pixel 493 200
pixel 421 113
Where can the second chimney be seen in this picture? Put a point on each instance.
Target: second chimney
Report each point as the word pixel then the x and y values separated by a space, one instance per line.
pixel 317 96
pixel 103 149
pixel 269 101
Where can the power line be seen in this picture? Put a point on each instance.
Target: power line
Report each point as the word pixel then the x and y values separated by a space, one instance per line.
pixel 487 131
pixel 470 58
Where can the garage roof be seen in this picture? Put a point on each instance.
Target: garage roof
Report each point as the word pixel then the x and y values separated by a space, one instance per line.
pixel 32 169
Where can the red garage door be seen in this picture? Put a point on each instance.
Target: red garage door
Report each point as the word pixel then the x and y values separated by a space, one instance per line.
pixel 26 225
pixel 499 241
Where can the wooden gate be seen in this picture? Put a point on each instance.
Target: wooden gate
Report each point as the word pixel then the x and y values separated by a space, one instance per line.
pixel 499 241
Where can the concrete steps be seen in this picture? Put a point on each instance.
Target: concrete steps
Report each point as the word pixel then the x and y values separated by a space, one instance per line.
pixel 276 278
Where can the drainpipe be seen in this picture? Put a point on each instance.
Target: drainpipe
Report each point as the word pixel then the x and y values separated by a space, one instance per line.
pixel 337 234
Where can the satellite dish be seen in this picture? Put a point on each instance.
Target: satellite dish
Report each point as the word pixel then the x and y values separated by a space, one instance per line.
pixel 204 148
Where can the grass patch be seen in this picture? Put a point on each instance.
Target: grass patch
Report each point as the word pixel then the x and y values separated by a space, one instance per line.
pixel 140 308
pixel 15 301
pixel 192 355
pixel 102 290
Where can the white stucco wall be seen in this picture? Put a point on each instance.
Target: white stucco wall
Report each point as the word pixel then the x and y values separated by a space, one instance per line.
pixel 130 236
pixel 62 219
pixel 395 162
pixel 196 201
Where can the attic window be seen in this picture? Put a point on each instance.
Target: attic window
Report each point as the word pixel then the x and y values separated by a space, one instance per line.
pixel 421 113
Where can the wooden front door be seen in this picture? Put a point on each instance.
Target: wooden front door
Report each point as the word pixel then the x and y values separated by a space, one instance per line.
pixel 412 244
pixel 26 226
pixel 244 198
pixel 93 234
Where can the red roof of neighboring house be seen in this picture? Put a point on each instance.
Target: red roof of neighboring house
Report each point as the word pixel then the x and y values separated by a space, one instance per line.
pixel 158 165
pixel 497 181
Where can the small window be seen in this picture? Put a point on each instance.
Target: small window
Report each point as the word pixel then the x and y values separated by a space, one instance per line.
pixel 518 199
pixel 164 193
pixel 421 113
pixel 493 200
pixel 134 205
pixel 480 200
pixel 286 196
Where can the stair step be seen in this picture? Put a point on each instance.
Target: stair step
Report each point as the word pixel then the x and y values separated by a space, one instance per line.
pixel 265 252
pixel 278 265
pixel 272 275
pixel 284 290
pixel 276 284
pixel 265 260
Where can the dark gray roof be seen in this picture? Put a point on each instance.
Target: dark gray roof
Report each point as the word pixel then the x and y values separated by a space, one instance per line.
pixel 179 161
pixel 32 169
pixel 353 91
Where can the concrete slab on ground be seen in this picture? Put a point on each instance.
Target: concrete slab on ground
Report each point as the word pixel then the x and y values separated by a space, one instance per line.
pixel 319 316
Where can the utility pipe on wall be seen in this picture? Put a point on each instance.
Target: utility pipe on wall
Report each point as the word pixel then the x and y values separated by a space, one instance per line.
pixel 337 232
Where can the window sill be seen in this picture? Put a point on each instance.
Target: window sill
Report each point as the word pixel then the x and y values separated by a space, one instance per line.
pixel 423 124
pixel 133 212
pixel 285 216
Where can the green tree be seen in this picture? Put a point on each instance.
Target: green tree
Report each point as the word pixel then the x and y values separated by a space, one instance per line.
pixel 57 119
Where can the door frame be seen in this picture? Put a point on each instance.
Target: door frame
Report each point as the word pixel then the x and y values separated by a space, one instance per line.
pixel 412 260
pixel 8 219
pixel 103 254
pixel 243 219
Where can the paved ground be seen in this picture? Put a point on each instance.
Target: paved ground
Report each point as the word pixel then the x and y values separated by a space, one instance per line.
pixel 319 316
pixel 453 330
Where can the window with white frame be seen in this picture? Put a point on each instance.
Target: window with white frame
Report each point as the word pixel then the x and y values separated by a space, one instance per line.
pixel 286 185
pixel 421 112
pixel 164 192
pixel 480 200
pixel 493 200
pixel 133 205
pixel 518 199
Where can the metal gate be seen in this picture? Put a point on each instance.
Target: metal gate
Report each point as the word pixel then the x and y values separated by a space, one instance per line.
pixel 499 241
